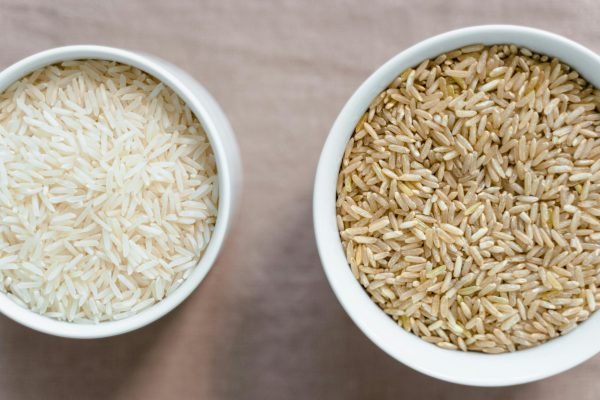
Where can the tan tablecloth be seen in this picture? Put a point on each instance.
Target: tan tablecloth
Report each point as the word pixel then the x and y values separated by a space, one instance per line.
pixel 264 324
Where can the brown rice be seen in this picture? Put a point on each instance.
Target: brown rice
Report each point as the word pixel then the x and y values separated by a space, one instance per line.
pixel 468 201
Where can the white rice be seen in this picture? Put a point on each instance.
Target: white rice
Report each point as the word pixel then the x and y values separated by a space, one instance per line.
pixel 108 191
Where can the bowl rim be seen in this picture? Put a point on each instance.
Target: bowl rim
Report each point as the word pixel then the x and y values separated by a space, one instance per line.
pixel 469 368
pixel 217 130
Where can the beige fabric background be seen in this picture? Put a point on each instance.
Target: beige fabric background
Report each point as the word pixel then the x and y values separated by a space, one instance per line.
pixel 264 324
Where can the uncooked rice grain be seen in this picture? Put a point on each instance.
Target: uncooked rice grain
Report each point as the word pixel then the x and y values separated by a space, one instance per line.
pixel 468 199
pixel 108 191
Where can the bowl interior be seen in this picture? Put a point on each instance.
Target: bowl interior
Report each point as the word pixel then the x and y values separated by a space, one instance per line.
pixel 470 368
pixel 217 129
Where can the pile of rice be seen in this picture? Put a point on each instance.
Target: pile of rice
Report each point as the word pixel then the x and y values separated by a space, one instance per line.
pixel 108 191
pixel 468 199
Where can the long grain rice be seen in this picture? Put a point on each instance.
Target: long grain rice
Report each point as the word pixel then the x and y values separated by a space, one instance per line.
pixel 108 191
pixel 485 166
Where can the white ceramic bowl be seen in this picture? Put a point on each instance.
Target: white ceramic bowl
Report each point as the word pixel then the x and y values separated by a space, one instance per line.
pixel 228 160
pixel 469 368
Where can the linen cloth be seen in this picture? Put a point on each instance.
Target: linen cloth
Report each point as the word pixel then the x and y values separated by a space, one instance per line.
pixel 264 324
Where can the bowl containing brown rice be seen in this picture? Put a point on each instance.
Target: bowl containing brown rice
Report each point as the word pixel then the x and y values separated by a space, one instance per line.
pixel 456 205
pixel 119 177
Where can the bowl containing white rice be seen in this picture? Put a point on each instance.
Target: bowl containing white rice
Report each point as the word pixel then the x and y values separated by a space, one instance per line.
pixel 119 177
pixel 456 206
